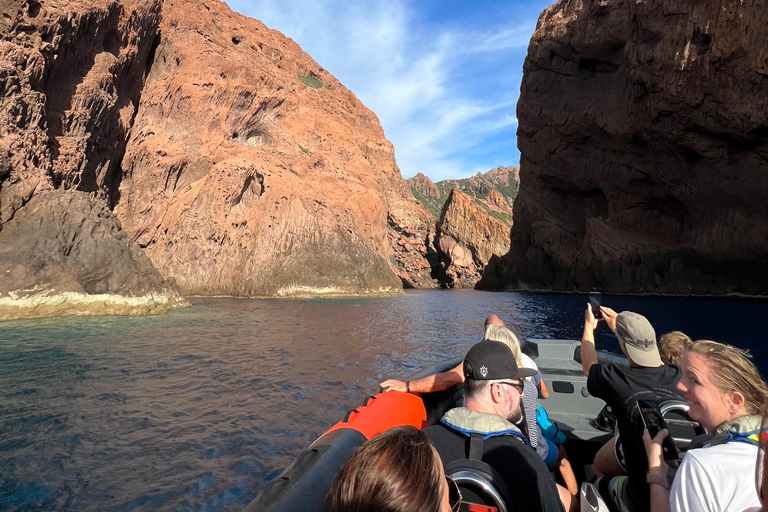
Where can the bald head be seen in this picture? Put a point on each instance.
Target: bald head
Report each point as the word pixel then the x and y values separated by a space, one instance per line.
pixel 493 320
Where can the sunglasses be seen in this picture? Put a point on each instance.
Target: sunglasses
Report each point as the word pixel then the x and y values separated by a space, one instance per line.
pixel 517 385
pixel 454 494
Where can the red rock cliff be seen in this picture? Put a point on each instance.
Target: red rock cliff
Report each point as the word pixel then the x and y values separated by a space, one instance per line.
pixel 237 163
pixel 252 171
pixel 70 78
pixel 468 235
pixel 644 141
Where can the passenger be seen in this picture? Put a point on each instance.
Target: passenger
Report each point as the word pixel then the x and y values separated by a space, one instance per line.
pixel 438 381
pixel 553 455
pixel 486 426
pixel 530 398
pixel 494 330
pixel 761 464
pixel 672 345
pixel 396 471
pixel 609 461
pixel 646 378
pixel 724 391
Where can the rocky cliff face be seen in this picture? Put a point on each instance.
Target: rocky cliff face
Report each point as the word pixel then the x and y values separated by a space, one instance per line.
pixel 471 226
pixel 71 78
pixel 252 171
pixel 467 237
pixel 644 142
pixel 492 188
pixel 237 163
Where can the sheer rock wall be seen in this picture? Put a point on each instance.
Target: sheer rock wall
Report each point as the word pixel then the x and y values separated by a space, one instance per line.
pixel 251 171
pixel 468 237
pixel 643 131
pixel 71 75
pixel 213 143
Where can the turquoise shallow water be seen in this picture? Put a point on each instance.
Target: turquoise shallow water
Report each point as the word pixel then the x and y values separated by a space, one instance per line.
pixel 198 409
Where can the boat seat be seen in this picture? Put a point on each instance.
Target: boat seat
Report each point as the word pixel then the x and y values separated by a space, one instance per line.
pixel 591 501
pixel 605 420
pixel 482 487
pixel 682 429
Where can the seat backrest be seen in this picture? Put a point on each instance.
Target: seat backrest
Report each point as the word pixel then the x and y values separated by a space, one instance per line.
pixel 480 484
pixel 682 429
pixel 591 501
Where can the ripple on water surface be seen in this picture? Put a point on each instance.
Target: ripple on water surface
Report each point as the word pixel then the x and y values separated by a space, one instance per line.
pixel 200 408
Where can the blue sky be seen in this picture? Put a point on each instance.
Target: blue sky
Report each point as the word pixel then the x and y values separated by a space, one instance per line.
pixel 442 76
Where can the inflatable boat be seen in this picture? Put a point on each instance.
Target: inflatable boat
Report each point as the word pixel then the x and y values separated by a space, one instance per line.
pixel 304 486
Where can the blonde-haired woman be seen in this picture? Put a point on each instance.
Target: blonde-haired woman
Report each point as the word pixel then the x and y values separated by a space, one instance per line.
pixel 725 393
pixel 553 455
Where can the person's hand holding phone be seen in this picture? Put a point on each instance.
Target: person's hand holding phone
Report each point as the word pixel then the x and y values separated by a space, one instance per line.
pixel 590 322
pixel 654 424
pixel 609 316
pixel 656 463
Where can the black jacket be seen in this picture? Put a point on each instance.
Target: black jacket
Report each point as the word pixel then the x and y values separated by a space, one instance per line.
pixel 505 449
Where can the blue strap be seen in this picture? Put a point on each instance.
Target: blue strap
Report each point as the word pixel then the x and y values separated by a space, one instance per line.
pixel 487 435
pixel 743 437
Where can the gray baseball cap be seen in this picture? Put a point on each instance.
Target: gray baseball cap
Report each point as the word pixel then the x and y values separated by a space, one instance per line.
pixel 639 338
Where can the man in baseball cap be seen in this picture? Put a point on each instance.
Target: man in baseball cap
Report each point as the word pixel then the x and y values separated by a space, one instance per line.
pixel 484 429
pixel 620 387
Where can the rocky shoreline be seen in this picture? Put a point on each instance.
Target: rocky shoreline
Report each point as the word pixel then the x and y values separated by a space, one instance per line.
pixel 43 305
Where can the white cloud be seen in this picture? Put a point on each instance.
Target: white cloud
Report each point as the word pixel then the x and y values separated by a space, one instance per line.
pixel 414 78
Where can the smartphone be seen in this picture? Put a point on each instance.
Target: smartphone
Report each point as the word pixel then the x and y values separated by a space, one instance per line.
pixel 594 302
pixel 654 422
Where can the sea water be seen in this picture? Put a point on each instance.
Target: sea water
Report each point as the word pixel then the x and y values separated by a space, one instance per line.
pixel 200 408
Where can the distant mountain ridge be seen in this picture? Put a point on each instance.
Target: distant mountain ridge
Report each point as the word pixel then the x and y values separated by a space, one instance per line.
pixel 504 181
pixel 472 218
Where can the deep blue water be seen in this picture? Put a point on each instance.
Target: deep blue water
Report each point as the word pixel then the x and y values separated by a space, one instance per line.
pixel 198 409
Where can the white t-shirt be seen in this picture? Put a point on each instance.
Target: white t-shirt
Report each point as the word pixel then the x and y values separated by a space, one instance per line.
pixel 716 479
pixel 530 363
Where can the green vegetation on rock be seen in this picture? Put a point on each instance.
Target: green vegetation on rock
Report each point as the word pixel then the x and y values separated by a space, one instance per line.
pixel 503 217
pixel 508 191
pixel 311 81
pixel 432 204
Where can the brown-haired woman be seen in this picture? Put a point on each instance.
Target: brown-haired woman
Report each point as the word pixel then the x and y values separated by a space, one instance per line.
pixel 724 392
pixel 396 471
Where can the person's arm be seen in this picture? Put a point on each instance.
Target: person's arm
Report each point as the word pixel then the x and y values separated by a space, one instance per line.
pixel 543 391
pixel 588 351
pixel 429 384
pixel 657 471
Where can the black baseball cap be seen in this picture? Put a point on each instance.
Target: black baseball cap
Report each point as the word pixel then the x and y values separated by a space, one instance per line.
pixel 493 360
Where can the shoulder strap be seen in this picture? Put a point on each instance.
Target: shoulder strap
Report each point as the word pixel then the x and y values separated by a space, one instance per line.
pixel 476 446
